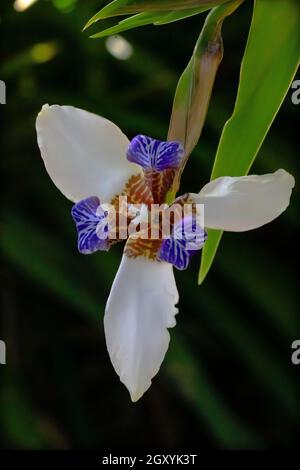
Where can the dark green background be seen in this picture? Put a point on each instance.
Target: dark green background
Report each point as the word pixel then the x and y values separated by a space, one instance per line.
pixel 227 381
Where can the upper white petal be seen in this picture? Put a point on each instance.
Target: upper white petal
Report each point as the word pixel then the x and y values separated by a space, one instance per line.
pixel 84 154
pixel 244 203
pixel 140 308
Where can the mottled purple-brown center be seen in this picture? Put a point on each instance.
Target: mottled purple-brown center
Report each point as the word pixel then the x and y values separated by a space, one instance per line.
pixel 143 192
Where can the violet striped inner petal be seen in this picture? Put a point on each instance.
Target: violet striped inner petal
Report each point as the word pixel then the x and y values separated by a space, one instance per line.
pixel 155 154
pixel 186 239
pixel 92 226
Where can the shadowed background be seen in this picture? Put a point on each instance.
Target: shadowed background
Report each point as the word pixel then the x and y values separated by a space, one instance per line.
pixel 227 380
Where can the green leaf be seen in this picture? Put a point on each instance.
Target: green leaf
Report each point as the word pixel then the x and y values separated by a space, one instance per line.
pixel 269 64
pixel 142 19
pixel 195 85
pixel 172 16
pixel 135 21
pixel 128 7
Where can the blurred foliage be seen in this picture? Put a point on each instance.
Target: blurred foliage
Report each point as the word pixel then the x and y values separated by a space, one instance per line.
pixel 228 381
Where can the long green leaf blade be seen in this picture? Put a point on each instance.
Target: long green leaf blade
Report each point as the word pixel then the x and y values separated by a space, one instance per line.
pixel 142 19
pixel 128 7
pixel 135 21
pixel 157 18
pixel 269 64
pixel 174 15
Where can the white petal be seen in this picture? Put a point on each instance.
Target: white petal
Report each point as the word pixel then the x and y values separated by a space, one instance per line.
pixel 245 203
pixel 140 308
pixel 84 154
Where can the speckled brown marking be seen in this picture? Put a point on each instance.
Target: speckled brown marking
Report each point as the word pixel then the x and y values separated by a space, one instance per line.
pixel 137 191
pixel 142 247
pixel 148 190
pixel 159 183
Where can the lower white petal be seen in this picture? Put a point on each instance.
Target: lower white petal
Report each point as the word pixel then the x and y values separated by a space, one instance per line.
pixel 140 308
pixel 244 203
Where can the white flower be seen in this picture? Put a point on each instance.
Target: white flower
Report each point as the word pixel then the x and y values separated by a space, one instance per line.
pixel 85 156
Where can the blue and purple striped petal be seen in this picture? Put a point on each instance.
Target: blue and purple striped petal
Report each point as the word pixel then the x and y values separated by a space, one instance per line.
pixel 155 154
pixel 92 226
pixel 186 239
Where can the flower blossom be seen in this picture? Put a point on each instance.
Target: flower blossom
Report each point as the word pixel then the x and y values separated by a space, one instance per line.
pixel 94 165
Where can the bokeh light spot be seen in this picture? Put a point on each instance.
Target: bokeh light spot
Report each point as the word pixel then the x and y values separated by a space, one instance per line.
pixel 44 51
pixel 22 5
pixel 119 47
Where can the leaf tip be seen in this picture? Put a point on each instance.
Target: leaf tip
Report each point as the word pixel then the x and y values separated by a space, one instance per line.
pixel 202 275
pixel 97 17
pixel 88 24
